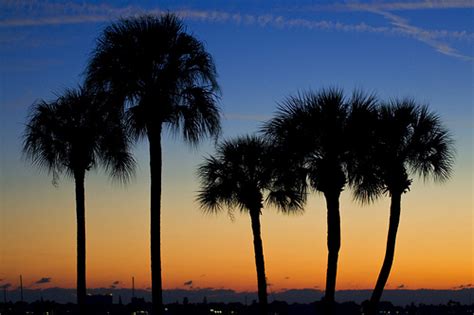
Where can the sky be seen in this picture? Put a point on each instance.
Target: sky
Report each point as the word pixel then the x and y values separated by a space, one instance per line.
pixel 264 52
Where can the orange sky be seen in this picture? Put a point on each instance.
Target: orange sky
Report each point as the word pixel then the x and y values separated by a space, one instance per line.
pixel 434 246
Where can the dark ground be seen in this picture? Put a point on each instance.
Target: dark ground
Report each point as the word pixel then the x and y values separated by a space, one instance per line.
pixel 184 308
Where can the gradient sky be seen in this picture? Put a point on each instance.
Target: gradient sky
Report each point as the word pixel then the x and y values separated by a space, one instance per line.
pixel 263 52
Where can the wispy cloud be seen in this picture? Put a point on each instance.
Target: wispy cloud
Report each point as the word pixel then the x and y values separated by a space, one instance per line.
pixel 403 27
pixel 114 284
pixel 43 280
pixel 36 13
pixel 408 5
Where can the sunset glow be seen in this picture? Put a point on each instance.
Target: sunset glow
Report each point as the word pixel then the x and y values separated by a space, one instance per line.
pixel 259 64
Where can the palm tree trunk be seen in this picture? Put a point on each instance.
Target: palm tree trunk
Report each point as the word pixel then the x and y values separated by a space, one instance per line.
pixel 334 244
pixel 395 207
pixel 81 240
pixel 154 138
pixel 259 261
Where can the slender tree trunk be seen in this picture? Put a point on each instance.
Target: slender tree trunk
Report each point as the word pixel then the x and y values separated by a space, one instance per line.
pixel 334 244
pixel 81 240
pixel 259 262
pixel 154 138
pixel 395 207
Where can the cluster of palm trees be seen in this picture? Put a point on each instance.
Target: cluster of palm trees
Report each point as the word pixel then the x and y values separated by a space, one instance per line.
pixel 323 141
pixel 147 74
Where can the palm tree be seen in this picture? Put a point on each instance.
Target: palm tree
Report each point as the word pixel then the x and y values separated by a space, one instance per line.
pixel 71 136
pixel 408 139
pixel 318 131
pixel 240 175
pixel 166 80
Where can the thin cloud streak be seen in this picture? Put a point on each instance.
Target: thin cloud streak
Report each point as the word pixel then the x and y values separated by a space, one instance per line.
pixel 401 25
pixel 392 6
pixel 421 35
pixel 87 13
pixel 414 5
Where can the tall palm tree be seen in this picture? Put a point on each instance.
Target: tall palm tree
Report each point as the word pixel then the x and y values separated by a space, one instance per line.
pixel 318 131
pixel 240 175
pixel 71 136
pixel 408 140
pixel 165 79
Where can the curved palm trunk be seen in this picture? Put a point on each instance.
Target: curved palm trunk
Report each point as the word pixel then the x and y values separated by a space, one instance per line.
pixel 334 244
pixel 259 262
pixel 154 138
pixel 81 240
pixel 395 207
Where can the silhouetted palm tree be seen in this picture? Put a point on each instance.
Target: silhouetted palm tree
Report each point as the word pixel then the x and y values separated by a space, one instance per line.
pixel 407 139
pixel 319 131
pixel 70 136
pixel 240 175
pixel 166 79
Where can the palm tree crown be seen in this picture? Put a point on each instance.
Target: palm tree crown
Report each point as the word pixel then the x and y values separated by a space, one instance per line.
pixel 74 132
pixel 241 175
pixel 408 139
pixel 162 73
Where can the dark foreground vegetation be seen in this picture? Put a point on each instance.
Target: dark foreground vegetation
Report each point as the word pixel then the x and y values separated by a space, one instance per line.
pixel 184 308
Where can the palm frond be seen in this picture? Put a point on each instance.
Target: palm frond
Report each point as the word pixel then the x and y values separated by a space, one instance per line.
pixel 240 174
pixel 161 73
pixel 76 132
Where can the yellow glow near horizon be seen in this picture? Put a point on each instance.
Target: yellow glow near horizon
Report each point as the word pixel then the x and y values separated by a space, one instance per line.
pixel 434 244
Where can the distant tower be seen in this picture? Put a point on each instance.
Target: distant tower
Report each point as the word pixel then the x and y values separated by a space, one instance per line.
pixel 5 294
pixel 21 288
pixel 133 287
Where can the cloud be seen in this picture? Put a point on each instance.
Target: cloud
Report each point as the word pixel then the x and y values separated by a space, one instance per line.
pixel 410 5
pixel 43 280
pixel 114 284
pixel 47 13
pixel 188 283
pixel 401 286
pixel 36 13
pixel 402 27
pixel 463 286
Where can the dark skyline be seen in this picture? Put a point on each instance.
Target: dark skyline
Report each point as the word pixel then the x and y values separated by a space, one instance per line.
pixel 263 53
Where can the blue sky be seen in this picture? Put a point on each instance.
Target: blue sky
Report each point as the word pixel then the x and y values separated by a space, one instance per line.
pixel 264 51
